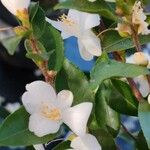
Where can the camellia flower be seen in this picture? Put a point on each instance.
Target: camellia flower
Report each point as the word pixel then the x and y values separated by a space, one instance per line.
pixel 138 18
pixel 143 59
pixel 16 5
pixel 79 24
pixel 48 110
pixel 85 142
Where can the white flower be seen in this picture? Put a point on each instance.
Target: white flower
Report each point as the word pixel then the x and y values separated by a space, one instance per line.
pixel 91 0
pixel 85 142
pixel 141 58
pixel 14 5
pixel 149 98
pixel 48 110
pixel 39 147
pixel 12 107
pixel 138 18
pixel 80 24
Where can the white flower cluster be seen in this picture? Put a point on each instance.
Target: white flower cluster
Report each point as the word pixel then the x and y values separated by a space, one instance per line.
pixel 49 110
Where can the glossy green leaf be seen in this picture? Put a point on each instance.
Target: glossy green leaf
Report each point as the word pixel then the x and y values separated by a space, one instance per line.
pixel 122 98
pixel 99 6
pixel 38 23
pixel 62 146
pixel 105 69
pixel 73 79
pixel 144 117
pixel 105 116
pixel 33 8
pixel 105 139
pixel 11 43
pixel 117 43
pixel 14 131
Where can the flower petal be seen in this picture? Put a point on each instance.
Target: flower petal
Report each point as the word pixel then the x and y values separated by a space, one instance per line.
pixel 64 99
pixel 86 142
pixel 38 93
pixel 39 147
pixel 42 126
pixel 91 43
pixel 84 20
pixel 14 5
pixel 76 118
pixel 62 27
pixel 83 52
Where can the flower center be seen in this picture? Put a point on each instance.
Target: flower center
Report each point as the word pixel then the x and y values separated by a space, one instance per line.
pixel 52 114
pixel 66 20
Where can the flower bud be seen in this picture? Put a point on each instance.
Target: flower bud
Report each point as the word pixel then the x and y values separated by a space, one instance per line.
pixel 16 5
pixel 140 59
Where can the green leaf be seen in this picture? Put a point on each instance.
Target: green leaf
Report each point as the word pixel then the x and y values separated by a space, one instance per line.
pixel 105 116
pixel 122 98
pixel 11 43
pixel 144 117
pixel 52 41
pixel 117 43
pixel 75 80
pixel 33 10
pixel 62 146
pixel 99 6
pixel 38 23
pixel 14 131
pixel 105 139
pixel 57 58
pixel 105 69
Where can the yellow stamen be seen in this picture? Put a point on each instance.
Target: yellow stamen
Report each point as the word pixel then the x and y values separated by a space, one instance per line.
pixel 66 20
pixel 52 114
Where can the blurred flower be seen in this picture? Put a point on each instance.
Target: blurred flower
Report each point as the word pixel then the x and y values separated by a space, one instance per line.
pixel 39 147
pixel 12 107
pixel 143 59
pixel 16 5
pixel 85 142
pixel 48 110
pixel 80 24
pixel 91 0
pixel 138 18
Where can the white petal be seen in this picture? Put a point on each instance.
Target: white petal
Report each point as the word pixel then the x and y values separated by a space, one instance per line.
pixel 39 147
pixel 83 52
pixel 38 92
pixel 14 5
pixel 86 142
pixel 91 43
pixel 65 99
pixel 42 126
pixel 76 118
pixel 142 82
pixel 130 59
pixel 66 31
pixel 56 24
pixel 149 99
pixel 84 20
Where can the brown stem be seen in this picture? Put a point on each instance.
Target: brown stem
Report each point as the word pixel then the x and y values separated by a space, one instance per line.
pixel 135 39
pixel 131 82
pixel 137 44
pixel 43 66
pixel 135 90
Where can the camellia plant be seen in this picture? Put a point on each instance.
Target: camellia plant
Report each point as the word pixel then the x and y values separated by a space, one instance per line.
pixel 88 106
